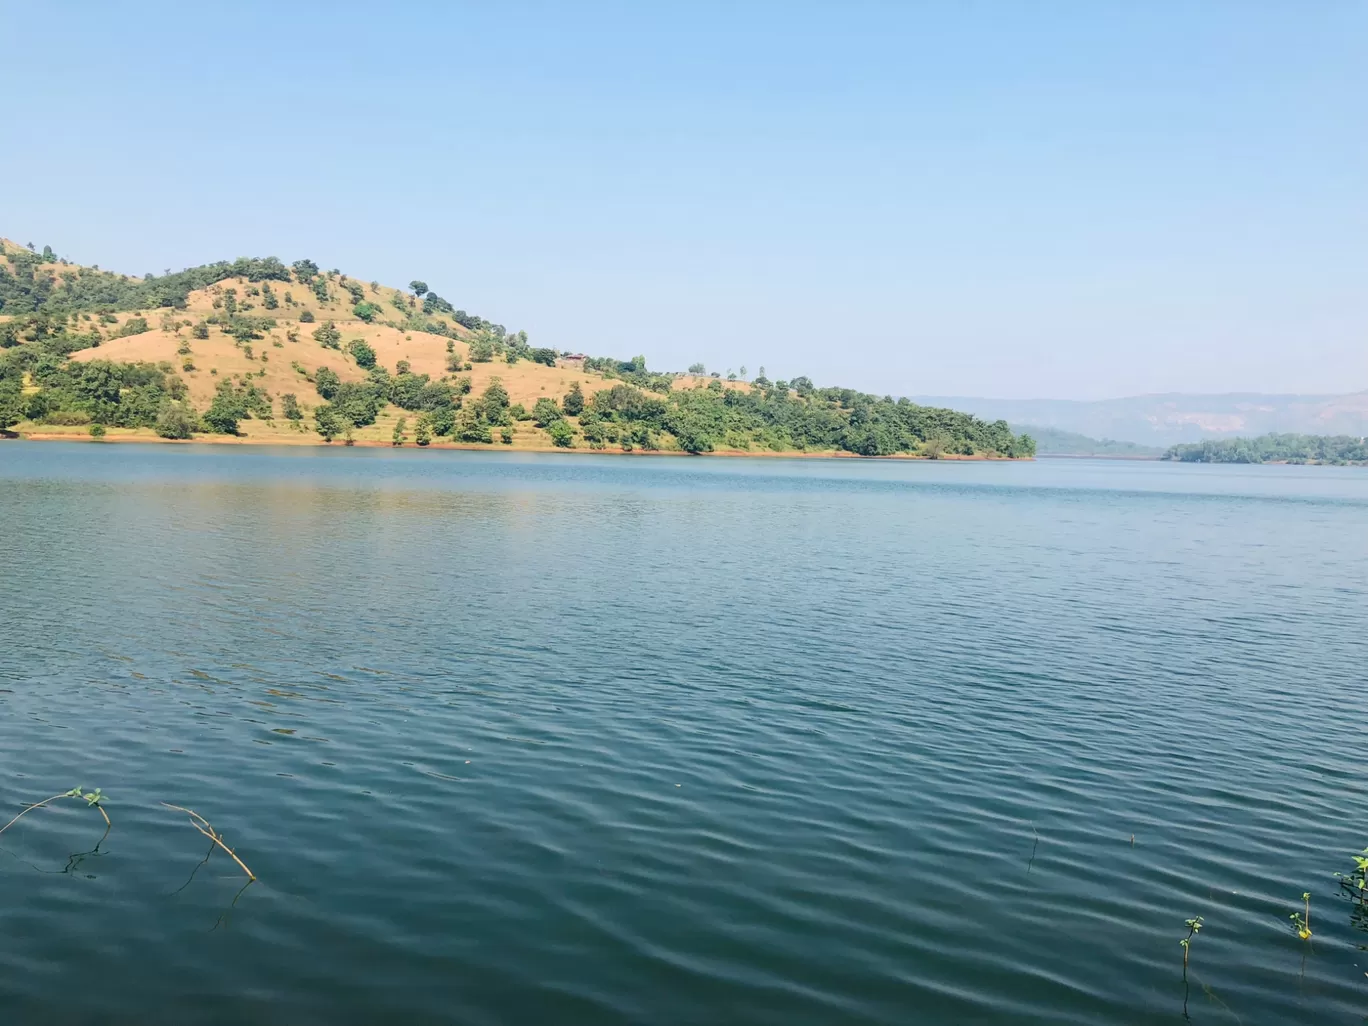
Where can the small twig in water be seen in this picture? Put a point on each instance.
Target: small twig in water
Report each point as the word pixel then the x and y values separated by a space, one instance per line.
pixel 91 798
pixel 1033 847
pixel 208 831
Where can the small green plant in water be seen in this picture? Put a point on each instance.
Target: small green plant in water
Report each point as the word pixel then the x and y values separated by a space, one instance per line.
pixel 1302 923
pixel 1194 926
pixel 1356 883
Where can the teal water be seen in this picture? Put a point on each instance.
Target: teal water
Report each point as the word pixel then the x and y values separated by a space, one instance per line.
pixel 594 740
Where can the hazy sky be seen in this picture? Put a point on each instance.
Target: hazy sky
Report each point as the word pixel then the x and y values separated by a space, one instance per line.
pixel 1072 200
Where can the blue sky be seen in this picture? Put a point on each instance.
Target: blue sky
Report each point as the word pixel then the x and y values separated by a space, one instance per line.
pixel 1058 199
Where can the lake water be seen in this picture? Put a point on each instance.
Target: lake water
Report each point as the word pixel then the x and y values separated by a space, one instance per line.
pixel 592 740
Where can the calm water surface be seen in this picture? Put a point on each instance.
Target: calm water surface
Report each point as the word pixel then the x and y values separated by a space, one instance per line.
pixel 595 740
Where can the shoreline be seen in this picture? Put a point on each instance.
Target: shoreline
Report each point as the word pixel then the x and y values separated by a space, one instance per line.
pixel 152 439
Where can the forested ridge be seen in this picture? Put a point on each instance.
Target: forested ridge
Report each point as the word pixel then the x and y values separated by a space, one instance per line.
pixel 50 309
pixel 1273 448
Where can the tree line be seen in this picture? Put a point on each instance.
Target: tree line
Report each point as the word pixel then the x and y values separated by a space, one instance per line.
pixel 1274 448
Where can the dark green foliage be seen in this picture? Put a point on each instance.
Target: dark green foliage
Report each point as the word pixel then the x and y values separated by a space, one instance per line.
pixel 545 412
pixel 356 290
pixel 481 348
pixel 327 382
pixel 97 430
pixel 494 403
pixel 327 335
pixel 320 288
pixel 573 403
pixel 422 433
pixel 359 402
pixel 562 434
pixel 200 330
pixel 246 327
pixel 543 356
pixel 435 304
pixel 268 297
pixel 1333 449
pixel 229 407
pixel 306 317
pixel 327 422
pixel 362 353
pixel 305 271
pixel 418 288
pixel 25 289
pixel 506 435
pixel 176 420
pixel 132 326
pixel 366 311
pixel 289 407
pixel 11 402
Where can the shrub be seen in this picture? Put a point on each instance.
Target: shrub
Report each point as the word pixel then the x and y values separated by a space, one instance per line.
pixel 562 434
pixel 327 335
pixel 289 407
pixel 422 434
pixel 200 330
pixel 175 421
pixel 574 401
pixel 362 353
pixel 506 436
pixel 306 317
pixel 97 430
pixel 327 382
pixel 366 311
pixel 546 412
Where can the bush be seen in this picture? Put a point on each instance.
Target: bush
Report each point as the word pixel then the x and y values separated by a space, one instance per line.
pixel 362 353
pixel 366 311
pixel 289 407
pixel 574 401
pixel 200 330
pixel 306 316
pixel 327 382
pixel 97 430
pixel 175 421
pixel 327 335
pixel 422 434
pixel 546 413
pixel 506 436
pixel 562 434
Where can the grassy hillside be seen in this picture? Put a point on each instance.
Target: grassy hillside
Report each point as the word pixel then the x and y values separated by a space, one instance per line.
pixel 258 350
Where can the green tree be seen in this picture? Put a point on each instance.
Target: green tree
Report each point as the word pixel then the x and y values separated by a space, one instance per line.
pixel 422 433
pixel 327 382
pixel 506 435
pixel 200 330
pixel 573 404
pixel 175 421
pixel 398 437
pixel 268 296
pixel 362 353
pixel 419 288
pixel 545 412
pixel 289 407
pixel 305 271
pixel 97 431
pixel 327 422
pixel 481 348
pixel 11 402
pixel 306 317
pixel 494 402
pixel 320 288
pixel 327 335
pixel 562 434
pixel 226 410
pixel 366 311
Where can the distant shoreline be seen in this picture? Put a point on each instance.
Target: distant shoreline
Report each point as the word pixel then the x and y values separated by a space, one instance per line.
pixel 304 440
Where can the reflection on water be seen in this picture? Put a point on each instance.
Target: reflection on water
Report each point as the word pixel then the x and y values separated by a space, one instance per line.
pixel 594 740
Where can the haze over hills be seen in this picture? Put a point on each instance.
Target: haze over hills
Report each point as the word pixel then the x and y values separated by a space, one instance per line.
pixel 1171 418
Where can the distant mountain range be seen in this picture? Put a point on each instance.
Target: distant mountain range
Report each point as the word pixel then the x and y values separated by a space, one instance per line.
pixel 1163 420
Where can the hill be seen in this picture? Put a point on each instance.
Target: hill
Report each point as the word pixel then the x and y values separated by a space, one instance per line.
pixel 1054 442
pixel 258 350
pixel 1169 419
